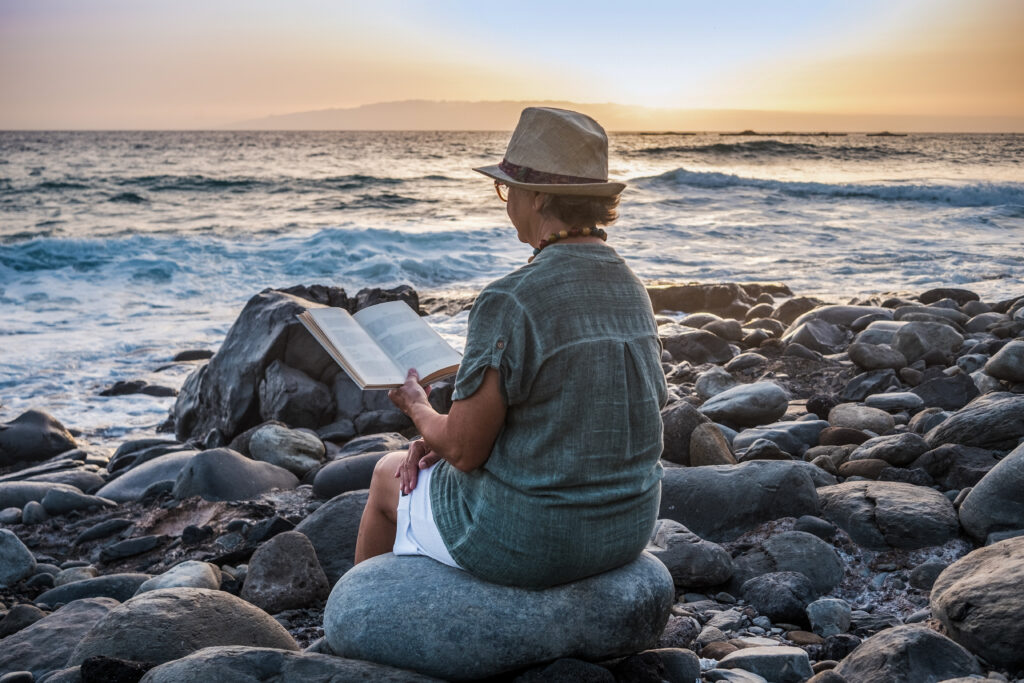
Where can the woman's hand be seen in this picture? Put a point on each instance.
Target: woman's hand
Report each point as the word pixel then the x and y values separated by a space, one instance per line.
pixel 418 458
pixel 410 393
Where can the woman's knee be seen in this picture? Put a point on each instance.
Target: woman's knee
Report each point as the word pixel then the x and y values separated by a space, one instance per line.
pixel 384 470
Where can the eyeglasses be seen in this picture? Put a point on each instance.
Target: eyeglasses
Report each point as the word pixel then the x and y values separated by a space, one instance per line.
pixel 502 190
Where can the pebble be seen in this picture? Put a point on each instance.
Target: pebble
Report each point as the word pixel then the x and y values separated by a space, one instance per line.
pixel 895 401
pixel 33 513
pixel 16 561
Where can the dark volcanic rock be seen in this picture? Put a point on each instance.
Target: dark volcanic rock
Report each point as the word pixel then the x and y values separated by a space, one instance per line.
pixel 347 474
pixel 948 393
pixel 792 551
pixel 332 529
pixel 692 561
pixel 223 474
pixel 120 587
pixel 31 437
pixel 284 573
pixel 293 397
pixel 780 596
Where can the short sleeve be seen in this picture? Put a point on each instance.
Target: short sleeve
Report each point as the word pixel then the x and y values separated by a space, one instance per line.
pixel 497 338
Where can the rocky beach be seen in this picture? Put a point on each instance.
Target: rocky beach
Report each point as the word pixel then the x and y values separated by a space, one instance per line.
pixel 843 500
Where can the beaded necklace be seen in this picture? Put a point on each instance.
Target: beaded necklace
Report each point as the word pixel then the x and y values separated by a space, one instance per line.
pixel 565 234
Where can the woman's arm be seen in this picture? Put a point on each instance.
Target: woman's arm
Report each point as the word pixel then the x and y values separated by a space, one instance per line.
pixel 464 437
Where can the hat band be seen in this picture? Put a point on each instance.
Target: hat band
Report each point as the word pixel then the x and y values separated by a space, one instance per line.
pixel 525 174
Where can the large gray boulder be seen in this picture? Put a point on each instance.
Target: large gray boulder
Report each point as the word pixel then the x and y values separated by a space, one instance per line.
pixel 31 437
pixel 268 665
pixel 224 474
pixel 907 654
pixel 979 600
pixel 46 645
pixel 881 515
pixel 917 339
pixel 487 629
pixel 899 450
pixel 295 398
pixel 284 573
pixel 295 450
pixel 351 473
pixel 133 483
pixel 692 561
pixel 15 494
pixel 332 529
pixel 722 502
pixel 842 315
pixel 748 405
pixel 120 587
pixel 994 420
pixel 996 503
pixel 16 561
pixel 170 623
pixel 1008 362
pixel 792 551
pixel 695 346
pixel 191 574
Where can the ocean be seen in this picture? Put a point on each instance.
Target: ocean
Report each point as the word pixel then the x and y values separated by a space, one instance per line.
pixel 119 249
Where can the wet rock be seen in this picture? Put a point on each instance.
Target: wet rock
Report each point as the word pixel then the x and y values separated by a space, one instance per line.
pixel 332 529
pixel 16 561
pixel 948 393
pixel 994 421
pixel 996 503
pixel 714 381
pixel 351 473
pixel 899 450
pixel 269 665
pixel 137 386
pixel 489 628
pixel 895 401
pixel 884 515
pixel 293 397
pixel 979 602
pixel 284 573
pixel 721 502
pixel 791 551
pixel 120 587
pixel 62 501
pixel 1007 363
pixel 747 405
pixel 780 664
pixel 875 356
pixel 692 561
pixel 132 484
pixel 16 494
pixel 917 339
pixel 680 419
pixel 829 616
pixel 45 645
pixel 170 623
pixel 818 335
pixel 792 437
pixel 31 437
pixel 188 574
pixel 861 417
pixel 223 474
pixel 907 654
pixel 879 332
pixel 295 450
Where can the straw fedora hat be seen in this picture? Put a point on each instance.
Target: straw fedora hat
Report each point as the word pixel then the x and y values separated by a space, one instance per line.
pixel 556 151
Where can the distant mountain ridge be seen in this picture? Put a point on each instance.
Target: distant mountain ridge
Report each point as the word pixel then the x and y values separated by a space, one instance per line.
pixel 502 115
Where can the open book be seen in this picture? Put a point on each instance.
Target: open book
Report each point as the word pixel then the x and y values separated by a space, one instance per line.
pixel 378 345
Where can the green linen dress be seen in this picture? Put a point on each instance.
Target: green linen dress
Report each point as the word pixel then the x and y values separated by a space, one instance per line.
pixel 573 483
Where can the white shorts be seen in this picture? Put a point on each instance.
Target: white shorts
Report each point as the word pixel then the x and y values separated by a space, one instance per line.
pixel 417 533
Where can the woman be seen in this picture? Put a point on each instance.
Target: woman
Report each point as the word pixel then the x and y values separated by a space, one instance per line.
pixel 546 469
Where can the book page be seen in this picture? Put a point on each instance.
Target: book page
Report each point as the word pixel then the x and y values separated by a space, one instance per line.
pixel 408 339
pixel 359 353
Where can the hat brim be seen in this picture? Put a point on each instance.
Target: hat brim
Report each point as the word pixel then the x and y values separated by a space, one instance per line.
pixel 586 189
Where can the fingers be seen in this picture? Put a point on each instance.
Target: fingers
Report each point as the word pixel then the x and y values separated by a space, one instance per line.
pixel 428 460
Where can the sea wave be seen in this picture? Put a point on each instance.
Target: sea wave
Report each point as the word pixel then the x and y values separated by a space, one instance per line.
pixel 753 149
pixel 966 195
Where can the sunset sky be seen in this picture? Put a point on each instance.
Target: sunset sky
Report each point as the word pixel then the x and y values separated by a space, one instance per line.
pixel 209 63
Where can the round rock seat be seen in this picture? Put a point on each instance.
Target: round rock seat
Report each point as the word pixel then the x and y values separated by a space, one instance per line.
pixel 416 613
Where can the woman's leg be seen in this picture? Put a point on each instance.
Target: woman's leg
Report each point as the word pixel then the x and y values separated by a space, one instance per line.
pixel 377 527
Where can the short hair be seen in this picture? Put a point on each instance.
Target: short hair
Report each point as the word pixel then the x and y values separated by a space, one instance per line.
pixel 581 211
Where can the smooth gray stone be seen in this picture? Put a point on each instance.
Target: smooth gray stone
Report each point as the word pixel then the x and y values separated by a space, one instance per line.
pixel 224 474
pixel 972 362
pixel 907 654
pixel 352 473
pixel 868 383
pixel 861 417
pixel 881 515
pixel 61 501
pixel 818 335
pixel 681 666
pixel 170 623
pixel 10 516
pixel 829 616
pixel 692 561
pixel 31 437
pixel 33 513
pixel 16 561
pixel 284 574
pixel 951 314
pixel 875 356
pixel 981 322
pixel 129 547
pixel 956 467
pixel 103 529
pixel 15 494
pixel 133 483
pixel 120 587
pixel 996 503
pixel 792 437
pixel 986 384
pixel 948 393
pixel 372 443
pixel 45 645
pixel 916 339
pixel 791 551
pixel 979 600
pixel 732 676
pixel 744 361
pixel 490 629
pixel 899 450
pixel 714 381
pixel 780 596
pixel 841 315
pixel 268 665
pixel 895 401
pixel 748 405
pixel 18 617
pixel 72 574
pixel 722 502
pixel 295 450
pixel 81 478
pixel 696 346
pixel 780 664
pixel 1008 362
pixel 994 421
pixel 679 420
pixel 879 332
pixel 190 574
pixel 332 529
